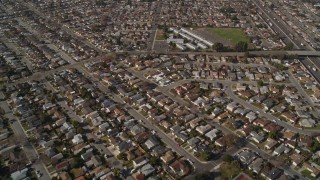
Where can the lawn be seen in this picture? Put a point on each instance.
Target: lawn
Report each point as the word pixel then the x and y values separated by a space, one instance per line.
pixel 143 113
pixel 160 35
pixel 105 139
pixel 77 172
pixel 234 35
pixel 229 125
pixel 316 127
pixel 258 105
pixel 25 126
pixel 307 174
pixel 51 169
pixel 229 170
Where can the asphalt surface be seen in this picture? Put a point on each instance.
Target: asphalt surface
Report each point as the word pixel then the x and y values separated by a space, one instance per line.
pixel 290 35
pixel 229 92
pixel 155 18
pixel 27 147
pixel 279 27
pixel 310 63
pixel 147 123
pixel 166 90
pixel 302 93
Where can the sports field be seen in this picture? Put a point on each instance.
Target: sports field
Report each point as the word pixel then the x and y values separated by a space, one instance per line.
pixel 234 35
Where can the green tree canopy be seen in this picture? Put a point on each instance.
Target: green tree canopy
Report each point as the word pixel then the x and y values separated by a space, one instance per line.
pixel 227 158
pixel 241 46
pixel 218 47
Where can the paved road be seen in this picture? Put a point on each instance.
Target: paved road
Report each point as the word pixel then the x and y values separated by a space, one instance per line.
pixel 232 65
pixel 31 153
pixel 57 24
pixel 219 54
pixel 41 75
pixel 52 46
pixel 283 28
pixel 295 20
pixel 287 169
pixel 245 143
pixel 291 36
pixel 155 19
pixel 301 91
pixel 229 92
pixel 13 47
pixel 182 102
pixel 164 137
pixel 277 24
pixel 310 63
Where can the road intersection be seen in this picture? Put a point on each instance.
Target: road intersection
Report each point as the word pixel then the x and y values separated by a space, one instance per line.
pixel 199 165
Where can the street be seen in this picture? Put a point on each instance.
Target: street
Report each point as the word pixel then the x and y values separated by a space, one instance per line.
pixel 309 58
pixel 229 92
pixel 164 137
pixel 28 148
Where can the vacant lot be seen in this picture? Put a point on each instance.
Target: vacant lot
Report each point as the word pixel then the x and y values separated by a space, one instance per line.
pixel 160 46
pixel 160 35
pixel 234 35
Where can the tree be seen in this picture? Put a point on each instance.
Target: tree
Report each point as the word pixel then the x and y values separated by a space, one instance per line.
pixel 260 83
pixel 75 123
pixel 206 155
pixel 17 114
pixel 116 171
pixel 3 169
pixel 96 27
pixel 315 147
pixel 279 66
pixel 172 44
pixel 193 133
pixel 2 111
pixel 32 139
pixel 113 89
pixel 45 118
pixel 218 47
pixel 80 130
pixel 121 156
pixel 3 88
pixel 100 3
pixel 17 149
pixel 78 162
pixel 289 46
pixel 155 160
pixel 272 135
pixel 229 170
pixel 129 2
pixel 241 46
pixel 54 97
pixel 204 176
pixel 227 158
pixel 230 139
pixel 85 93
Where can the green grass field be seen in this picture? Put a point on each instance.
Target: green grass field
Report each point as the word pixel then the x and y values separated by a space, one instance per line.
pixel 160 35
pixel 234 35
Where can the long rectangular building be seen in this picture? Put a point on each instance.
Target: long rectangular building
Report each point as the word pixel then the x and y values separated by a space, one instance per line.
pixel 209 43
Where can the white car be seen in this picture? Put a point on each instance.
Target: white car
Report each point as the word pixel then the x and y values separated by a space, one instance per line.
pixel 39 174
